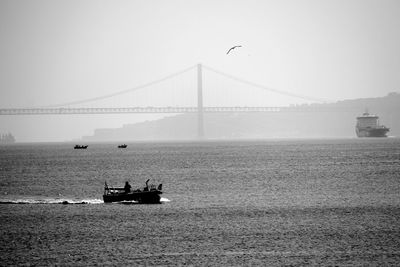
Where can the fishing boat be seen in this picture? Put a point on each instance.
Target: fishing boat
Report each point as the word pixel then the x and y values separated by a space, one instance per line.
pixel 123 146
pixel 80 146
pixel 150 194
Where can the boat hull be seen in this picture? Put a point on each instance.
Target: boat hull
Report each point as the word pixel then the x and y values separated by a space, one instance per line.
pixel 372 132
pixel 144 197
pixel 80 147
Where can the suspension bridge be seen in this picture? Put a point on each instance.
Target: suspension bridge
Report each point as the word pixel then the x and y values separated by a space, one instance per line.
pixel 196 106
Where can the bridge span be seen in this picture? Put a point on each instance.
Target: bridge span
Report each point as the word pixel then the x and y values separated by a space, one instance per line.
pixel 200 109
pixel 66 111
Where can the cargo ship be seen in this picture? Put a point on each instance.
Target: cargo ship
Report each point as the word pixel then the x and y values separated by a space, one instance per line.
pixel 368 126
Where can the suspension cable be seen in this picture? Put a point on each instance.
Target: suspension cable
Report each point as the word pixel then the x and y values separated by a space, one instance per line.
pixel 87 100
pixel 309 98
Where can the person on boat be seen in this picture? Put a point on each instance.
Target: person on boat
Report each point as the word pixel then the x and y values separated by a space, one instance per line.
pixel 127 187
pixel 147 185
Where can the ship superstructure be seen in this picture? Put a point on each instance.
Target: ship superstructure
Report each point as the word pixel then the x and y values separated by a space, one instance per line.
pixel 368 126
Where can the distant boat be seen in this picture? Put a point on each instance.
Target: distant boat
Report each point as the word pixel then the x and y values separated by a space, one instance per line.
pixel 80 147
pixel 122 146
pixel 147 195
pixel 368 126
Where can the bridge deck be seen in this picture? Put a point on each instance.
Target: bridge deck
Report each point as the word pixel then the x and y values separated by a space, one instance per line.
pixel 58 111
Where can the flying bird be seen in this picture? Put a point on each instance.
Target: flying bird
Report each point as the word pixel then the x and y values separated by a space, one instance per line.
pixel 233 48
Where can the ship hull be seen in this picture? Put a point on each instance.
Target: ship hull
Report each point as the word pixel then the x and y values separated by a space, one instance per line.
pixel 372 132
pixel 146 197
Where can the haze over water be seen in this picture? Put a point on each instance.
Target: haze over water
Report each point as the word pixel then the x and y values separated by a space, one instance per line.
pixel 57 52
pixel 276 202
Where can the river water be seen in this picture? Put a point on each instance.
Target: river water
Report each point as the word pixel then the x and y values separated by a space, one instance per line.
pixel 276 202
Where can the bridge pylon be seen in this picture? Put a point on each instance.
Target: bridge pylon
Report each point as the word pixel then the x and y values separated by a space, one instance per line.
pixel 200 110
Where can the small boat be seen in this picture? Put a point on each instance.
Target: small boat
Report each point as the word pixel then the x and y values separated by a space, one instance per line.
pixel 123 146
pixel 150 194
pixel 80 147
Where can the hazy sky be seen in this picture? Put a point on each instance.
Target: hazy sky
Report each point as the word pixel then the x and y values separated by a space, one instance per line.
pixel 60 51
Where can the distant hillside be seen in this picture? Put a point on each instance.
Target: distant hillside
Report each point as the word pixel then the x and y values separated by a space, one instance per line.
pixel 309 121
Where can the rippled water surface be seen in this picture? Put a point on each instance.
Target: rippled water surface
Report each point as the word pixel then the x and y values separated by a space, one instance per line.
pixel 304 202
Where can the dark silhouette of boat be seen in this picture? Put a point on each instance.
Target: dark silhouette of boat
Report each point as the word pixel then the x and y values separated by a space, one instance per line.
pixel 368 126
pixel 123 146
pixel 80 146
pixel 150 194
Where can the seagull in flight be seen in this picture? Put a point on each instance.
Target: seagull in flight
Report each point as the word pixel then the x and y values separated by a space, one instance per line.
pixel 230 49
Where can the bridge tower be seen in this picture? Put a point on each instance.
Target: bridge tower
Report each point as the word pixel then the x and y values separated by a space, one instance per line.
pixel 200 111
